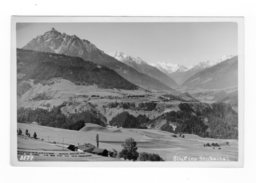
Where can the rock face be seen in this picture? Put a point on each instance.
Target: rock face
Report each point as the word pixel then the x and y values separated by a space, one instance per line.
pixel 61 43
pixel 220 76
pixel 56 42
pixel 143 67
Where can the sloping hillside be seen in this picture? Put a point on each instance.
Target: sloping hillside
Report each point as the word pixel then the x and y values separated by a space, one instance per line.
pixel 61 43
pixel 41 67
pixel 220 76
pixel 217 120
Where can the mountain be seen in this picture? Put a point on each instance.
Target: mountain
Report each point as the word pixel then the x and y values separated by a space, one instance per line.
pixel 182 75
pixel 42 66
pixel 220 76
pixel 61 43
pixel 143 67
pixel 169 68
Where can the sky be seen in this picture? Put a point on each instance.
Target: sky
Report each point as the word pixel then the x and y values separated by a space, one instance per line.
pixel 185 43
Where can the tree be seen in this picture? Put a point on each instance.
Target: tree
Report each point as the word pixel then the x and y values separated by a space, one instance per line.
pixel 167 127
pixel 19 131
pixel 115 153
pixel 27 132
pixel 129 150
pixel 97 140
pixel 35 135
pixel 149 157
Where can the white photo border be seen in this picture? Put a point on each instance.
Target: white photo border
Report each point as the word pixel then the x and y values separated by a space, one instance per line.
pixel 126 19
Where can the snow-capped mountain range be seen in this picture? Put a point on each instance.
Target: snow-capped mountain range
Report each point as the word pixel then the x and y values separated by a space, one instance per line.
pixel 143 67
pixel 170 68
pixel 179 73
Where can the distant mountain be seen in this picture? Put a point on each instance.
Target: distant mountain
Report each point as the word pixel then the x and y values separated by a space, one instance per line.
pixel 41 67
pixel 143 67
pixel 220 76
pixel 61 43
pixel 182 75
pixel 169 68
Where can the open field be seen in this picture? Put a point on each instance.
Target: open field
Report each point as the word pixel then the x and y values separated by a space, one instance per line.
pixel 149 140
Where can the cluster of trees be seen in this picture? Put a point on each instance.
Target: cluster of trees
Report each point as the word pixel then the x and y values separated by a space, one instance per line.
pixel 55 118
pixel 149 157
pixel 212 144
pixel 129 152
pixel 146 106
pixel 193 125
pixel 113 104
pixel 217 120
pixel 127 120
pixel 19 132
pixel 127 105
pixel 186 122
pixel 167 127
pixel 124 105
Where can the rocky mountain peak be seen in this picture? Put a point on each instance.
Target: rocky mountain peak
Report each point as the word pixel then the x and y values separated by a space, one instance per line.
pixel 62 43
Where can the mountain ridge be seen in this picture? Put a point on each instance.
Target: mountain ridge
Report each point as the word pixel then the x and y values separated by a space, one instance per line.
pixel 55 42
pixel 42 66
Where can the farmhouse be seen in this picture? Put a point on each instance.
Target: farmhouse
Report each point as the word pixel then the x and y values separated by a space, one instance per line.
pixel 101 152
pixel 86 147
pixel 72 148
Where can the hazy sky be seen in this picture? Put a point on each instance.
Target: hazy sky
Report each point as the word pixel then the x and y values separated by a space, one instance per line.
pixel 181 43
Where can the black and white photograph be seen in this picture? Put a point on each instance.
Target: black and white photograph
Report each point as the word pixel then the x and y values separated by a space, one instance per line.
pixel 125 90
